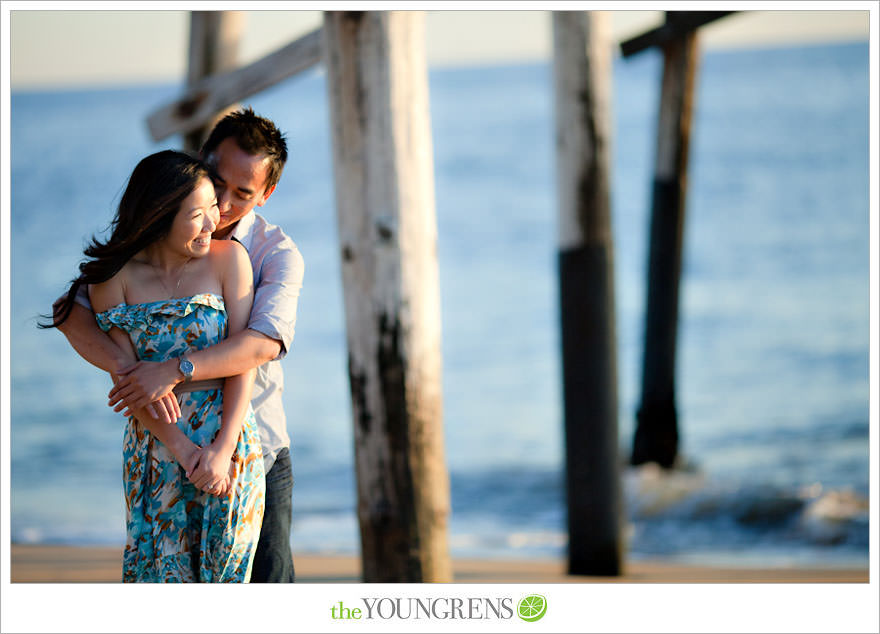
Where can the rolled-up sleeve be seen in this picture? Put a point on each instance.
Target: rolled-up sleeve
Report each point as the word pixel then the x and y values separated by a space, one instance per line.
pixel 276 296
pixel 82 297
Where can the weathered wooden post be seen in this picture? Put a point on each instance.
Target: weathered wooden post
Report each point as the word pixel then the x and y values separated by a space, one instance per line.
pixel 582 70
pixel 382 148
pixel 656 436
pixel 213 47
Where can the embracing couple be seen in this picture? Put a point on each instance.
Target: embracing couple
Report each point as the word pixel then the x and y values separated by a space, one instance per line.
pixel 190 304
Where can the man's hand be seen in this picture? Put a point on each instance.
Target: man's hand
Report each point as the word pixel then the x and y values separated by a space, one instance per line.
pixel 143 383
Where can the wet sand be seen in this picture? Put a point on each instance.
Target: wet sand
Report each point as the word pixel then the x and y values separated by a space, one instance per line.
pixel 80 564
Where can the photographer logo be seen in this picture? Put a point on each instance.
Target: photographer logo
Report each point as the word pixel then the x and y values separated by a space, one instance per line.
pixel 532 608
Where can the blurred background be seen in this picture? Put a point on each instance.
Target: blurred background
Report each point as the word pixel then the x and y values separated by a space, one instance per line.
pixel 773 390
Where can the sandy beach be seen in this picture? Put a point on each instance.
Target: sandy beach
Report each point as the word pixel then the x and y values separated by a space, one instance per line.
pixel 74 564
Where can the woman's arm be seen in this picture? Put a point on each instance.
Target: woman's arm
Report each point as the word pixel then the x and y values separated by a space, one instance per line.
pixel 99 349
pixel 103 297
pixel 238 292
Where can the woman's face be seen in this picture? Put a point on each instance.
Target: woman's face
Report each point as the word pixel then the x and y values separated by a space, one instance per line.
pixel 195 221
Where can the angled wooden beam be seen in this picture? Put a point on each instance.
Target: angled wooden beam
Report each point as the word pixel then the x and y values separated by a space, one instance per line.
pixel 677 25
pixel 203 100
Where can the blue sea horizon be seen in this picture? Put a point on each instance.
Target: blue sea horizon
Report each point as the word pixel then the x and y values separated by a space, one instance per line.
pixel 773 389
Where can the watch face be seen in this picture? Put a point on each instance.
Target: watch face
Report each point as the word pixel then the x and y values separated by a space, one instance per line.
pixel 186 367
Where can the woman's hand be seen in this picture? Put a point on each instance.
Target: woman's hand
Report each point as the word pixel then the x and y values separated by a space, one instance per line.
pixel 213 471
pixel 184 450
pixel 166 409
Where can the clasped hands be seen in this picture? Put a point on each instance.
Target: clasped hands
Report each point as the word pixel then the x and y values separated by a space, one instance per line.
pixel 149 385
pixel 211 470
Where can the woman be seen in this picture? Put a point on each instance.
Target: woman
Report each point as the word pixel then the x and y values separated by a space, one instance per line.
pixel 195 490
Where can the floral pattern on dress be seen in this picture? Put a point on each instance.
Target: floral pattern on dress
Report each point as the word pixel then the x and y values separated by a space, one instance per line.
pixel 174 531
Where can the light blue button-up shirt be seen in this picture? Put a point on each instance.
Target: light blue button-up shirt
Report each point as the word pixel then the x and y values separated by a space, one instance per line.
pixel 278 275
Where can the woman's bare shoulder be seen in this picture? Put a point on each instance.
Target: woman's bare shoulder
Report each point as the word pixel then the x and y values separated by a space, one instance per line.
pixel 226 247
pixel 106 295
pixel 228 253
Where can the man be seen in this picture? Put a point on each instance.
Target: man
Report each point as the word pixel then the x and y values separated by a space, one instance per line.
pixel 246 154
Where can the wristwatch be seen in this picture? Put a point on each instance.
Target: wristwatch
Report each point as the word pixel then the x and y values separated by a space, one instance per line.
pixel 186 368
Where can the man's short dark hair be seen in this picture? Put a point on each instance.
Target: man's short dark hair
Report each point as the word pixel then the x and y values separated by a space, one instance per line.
pixel 255 135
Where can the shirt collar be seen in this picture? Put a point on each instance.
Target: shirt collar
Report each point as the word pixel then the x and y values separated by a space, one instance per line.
pixel 242 232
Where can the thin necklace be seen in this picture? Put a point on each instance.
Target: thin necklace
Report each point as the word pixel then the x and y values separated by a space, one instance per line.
pixel 162 282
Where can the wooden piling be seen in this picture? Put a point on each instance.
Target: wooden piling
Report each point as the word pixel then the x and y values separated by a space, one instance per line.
pixel 378 93
pixel 656 437
pixel 214 37
pixel 582 71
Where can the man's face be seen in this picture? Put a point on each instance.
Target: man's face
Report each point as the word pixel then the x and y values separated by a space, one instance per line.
pixel 239 180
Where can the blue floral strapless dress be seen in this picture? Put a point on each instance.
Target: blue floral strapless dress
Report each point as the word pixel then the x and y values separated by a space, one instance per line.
pixel 175 532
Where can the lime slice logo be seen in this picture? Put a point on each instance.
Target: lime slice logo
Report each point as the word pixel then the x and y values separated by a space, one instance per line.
pixel 532 608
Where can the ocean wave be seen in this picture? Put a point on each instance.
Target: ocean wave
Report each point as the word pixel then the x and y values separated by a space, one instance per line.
pixel 721 512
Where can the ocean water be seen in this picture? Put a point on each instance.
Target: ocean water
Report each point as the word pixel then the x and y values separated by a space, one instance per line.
pixel 773 389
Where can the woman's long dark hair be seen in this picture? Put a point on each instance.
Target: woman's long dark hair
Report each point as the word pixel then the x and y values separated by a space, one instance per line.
pixel 152 198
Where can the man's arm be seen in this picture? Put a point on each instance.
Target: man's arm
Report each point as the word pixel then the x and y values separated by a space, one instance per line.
pixel 92 343
pixel 142 382
pixel 239 353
